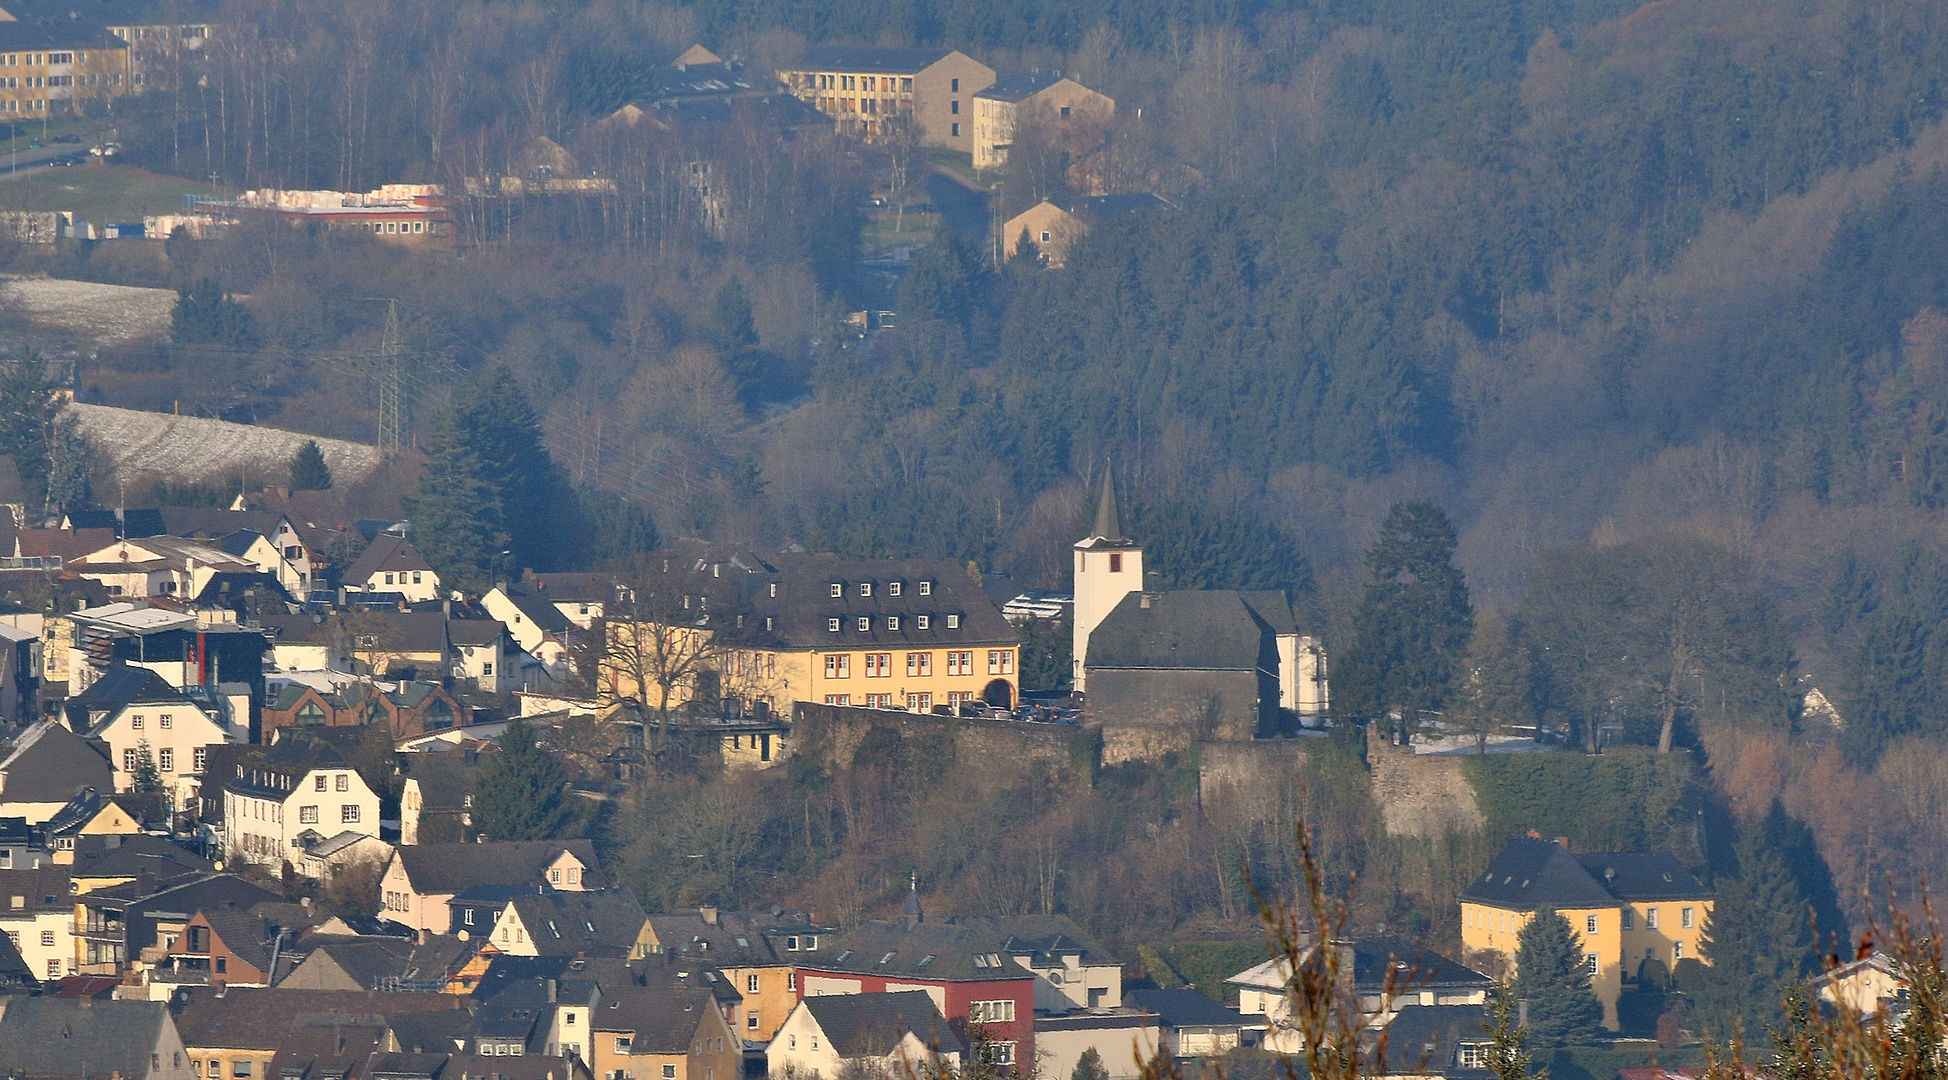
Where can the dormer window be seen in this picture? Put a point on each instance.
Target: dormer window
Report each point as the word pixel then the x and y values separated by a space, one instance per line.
pixel 953 622
pixel 892 588
pixel 865 624
pixel 774 588
pixel 865 588
pixel 920 622
pixel 791 944
pixel 926 588
pixel 893 623
pixel 830 624
pixel 838 589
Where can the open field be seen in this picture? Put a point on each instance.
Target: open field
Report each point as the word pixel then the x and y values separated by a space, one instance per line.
pixel 94 313
pixel 185 448
pixel 103 194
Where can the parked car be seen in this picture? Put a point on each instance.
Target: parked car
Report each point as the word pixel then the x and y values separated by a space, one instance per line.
pixel 65 160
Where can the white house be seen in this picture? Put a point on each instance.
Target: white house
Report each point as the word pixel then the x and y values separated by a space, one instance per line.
pixel 37 912
pixel 483 651
pixel 421 878
pixel 139 708
pixel 537 625
pixel 289 798
pixel 158 566
pixel 876 1034
pixel 48 767
pixel 390 564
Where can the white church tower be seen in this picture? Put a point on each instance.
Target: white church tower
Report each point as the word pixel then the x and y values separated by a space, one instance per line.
pixel 1108 567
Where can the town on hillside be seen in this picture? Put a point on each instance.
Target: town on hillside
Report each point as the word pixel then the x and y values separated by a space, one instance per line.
pixel 805 540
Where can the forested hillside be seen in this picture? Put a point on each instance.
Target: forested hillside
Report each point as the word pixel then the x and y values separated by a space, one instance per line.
pixel 1649 298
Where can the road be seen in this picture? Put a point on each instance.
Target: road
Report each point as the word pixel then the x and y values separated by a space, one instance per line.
pixel 28 162
pixel 964 207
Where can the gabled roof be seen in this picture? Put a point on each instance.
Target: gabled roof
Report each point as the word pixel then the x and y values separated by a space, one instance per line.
pixel 1532 873
pixel 872 1025
pixel 46 1036
pixel 479 631
pixel 1202 630
pixel 403 631
pixel 454 868
pixel 15 974
pixel 124 684
pixel 372 961
pixel 602 922
pixel 65 544
pixel 1412 966
pixel 445 780
pixel 1020 87
pixel 1425 1039
pixel 735 939
pixel 388 552
pixel 962 949
pixel 870 59
pixel 157 553
pixel 196 522
pixel 571 588
pixel 51 764
pixel 663 1019
pixel 136 856
pixel 250 1018
pixel 539 610
pixel 1184 1008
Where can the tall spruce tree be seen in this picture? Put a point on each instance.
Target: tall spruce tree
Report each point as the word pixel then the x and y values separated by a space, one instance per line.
pixel 1508 1054
pixel 1413 621
pixel 308 469
pixel 522 791
pixel 457 510
pixel 1757 940
pixel 1551 977
pixel 539 512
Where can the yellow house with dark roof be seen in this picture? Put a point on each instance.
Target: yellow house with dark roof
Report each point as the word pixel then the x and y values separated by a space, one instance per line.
pixel 1624 908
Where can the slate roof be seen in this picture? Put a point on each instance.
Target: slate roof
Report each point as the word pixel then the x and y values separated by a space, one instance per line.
pixel 572 588
pixel 1533 873
pixel 1097 208
pixel 134 857
pixel 1184 1008
pixel 15 974
pixel 404 631
pixel 870 59
pixel 664 1019
pixel 481 631
pixel 602 922
pixel 432 1032
pixel 445 780
pixel 736 939
pixel 49 763
pixel 948 950
pixel 1424 1039
pixel 112 12
pixel 538 610
pixel 292 757
pixel 46 1036
pixel 1424 969
pixel 1644 875
pixel 369 961
pixel 1020 87
pixel 462 1066
pixel 259 1018
pixel 130 524
pixel 1199 630
pixel 122 685
pixel 388 552
pixel 454 868
pixel 871 1025
pixel 45 889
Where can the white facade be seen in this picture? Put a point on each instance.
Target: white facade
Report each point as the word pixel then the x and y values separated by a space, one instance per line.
pixel 43 937
pixel 263 824
pixel 801 1047
pixel 1106 570
pixel 537 642
pixel 176 732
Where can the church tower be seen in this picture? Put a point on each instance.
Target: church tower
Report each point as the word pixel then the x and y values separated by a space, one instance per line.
pixel 1108 567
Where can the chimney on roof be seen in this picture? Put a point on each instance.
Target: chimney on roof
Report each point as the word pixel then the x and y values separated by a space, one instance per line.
pixel 552 989
pixel 1562 842
pixel 914 916
pixel 709 913
pixel 1533 835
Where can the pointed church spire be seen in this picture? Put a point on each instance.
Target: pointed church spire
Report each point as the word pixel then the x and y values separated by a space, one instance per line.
pixel 1108 525
pixel 914 916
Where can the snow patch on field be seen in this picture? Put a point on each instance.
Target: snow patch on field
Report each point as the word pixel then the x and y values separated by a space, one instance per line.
pixel 185 448
pixel 94 313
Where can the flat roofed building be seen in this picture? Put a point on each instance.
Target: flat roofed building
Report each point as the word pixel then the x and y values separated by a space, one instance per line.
pixel 863 87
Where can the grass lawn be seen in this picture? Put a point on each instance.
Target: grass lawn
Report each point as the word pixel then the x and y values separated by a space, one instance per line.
pixel 102 194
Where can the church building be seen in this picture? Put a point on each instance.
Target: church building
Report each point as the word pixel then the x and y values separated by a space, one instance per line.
pixel 1229 665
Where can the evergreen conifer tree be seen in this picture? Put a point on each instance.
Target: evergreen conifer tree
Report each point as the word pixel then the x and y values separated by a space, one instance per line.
pixel 1757 940
pixel 456 512
pixel 308 469
pixel 1508 1045
pixel 145 779
pixel 944 282
pixel 1089 1067
pixel 1551 977
pixel 205 315
pixel 538 512
pixel 521 793
pixel 1493 688
pixel 1413 621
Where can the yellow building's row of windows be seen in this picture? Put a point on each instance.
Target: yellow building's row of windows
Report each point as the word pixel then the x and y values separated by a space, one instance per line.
pixel 919 664
pixel 878 83
pixel 1488 919
pixel 920 703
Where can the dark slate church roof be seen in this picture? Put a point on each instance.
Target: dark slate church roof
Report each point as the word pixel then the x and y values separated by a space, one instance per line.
pixel 1202 630
pixel 1532 873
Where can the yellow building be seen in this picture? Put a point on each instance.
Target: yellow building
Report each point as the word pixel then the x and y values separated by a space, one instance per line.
pixel 59 71
pixel 1067 107
pixel 1625 908
pixel 662 1033
pixel 863 87
pixel 756 951
pixel 721 624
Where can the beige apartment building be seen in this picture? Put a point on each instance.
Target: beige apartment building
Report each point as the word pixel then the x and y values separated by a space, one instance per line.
pixel 1064 104
pixel 50 73
pixel 864 87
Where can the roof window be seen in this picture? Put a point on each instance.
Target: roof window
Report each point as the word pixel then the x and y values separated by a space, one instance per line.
pixel 888 958
pixel 892 588
pixel 838 589
pixel 865 588
pixel 926 588
pixel 925 960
